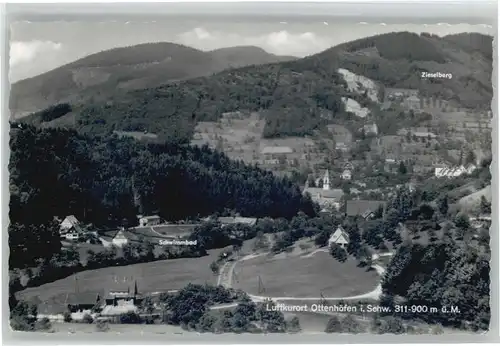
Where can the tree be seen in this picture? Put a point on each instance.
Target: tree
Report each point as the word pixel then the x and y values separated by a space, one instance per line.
pixel 351 325
pixel 272 321
pixel 443 205
pixel 43 324
pixel 147 305
pixel 261 242
pixel 470 158
pixel 130 318
pixel 354 245
pixel 485 206
pixel 321 238
pixel 333 325
pixel 102 326
pixel 87 319
pixel 462 221
pixel 293 326
pixel 23 316
pixel 338 253
pixel 214 267
pixel 67 316
pixel 390 325
pixel 402 168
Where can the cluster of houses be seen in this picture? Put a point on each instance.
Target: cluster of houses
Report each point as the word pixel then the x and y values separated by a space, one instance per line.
pixel 117 298
pixel 150 228
pixel 453 171
pixel 329 198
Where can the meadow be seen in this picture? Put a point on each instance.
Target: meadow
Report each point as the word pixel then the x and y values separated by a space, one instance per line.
pixel 158 276
pixel 294 276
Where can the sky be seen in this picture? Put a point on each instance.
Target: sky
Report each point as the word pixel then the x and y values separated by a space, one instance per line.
pixel 44 42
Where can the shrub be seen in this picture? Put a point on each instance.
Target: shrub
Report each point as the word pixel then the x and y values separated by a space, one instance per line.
pixel 67 316
pixel 87 319
pixel 43 324
pixel 102 326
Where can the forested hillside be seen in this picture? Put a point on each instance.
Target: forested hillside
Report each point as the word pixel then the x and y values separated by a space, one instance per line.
pixel 296 97
pixel 102 75
pixel 447 273
pixel 398 59
pixel 96 179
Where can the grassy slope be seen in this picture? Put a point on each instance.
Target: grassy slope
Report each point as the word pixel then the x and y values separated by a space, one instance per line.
pixel 309 277
pixel 151 277
pixel 135 67
pixel 473 200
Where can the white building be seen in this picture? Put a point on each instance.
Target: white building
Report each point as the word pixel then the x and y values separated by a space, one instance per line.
pixel 450 172
pixel 70 222
pixel 149 220
pixel 346 174
pixel 339 237
pixel 73 235
pixel 120 239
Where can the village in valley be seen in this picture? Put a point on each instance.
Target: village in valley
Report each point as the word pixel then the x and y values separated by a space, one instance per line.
pixel 345 188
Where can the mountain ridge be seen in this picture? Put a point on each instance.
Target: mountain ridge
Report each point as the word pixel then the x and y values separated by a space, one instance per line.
pixel 127 68
pixel 299 96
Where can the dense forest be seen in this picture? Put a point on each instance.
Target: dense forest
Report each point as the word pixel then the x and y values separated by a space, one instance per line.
pixel 447 273
pixel 107 181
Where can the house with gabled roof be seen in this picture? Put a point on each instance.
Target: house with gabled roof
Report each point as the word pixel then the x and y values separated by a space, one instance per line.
pixel 364 208
pixel 82 301
pixel 70 223
pixel 151 220
pixel 346 174
pixel 339 237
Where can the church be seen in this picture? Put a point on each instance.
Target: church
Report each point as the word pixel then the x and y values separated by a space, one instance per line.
pixel 325 196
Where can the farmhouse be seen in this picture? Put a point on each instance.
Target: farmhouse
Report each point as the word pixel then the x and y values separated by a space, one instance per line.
pixel 70 223
pixel 84 301
pixel 346 174
pixel 152 220
pixel 364 208
pixel 339 237
pixel 122 238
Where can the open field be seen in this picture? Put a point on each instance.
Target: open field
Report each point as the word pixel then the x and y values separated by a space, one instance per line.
pixel 151 277
pixel 303 277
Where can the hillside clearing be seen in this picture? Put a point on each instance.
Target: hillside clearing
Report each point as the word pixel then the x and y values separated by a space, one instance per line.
pixel 303 277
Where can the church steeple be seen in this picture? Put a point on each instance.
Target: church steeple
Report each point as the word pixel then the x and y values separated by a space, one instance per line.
pixel 326 180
